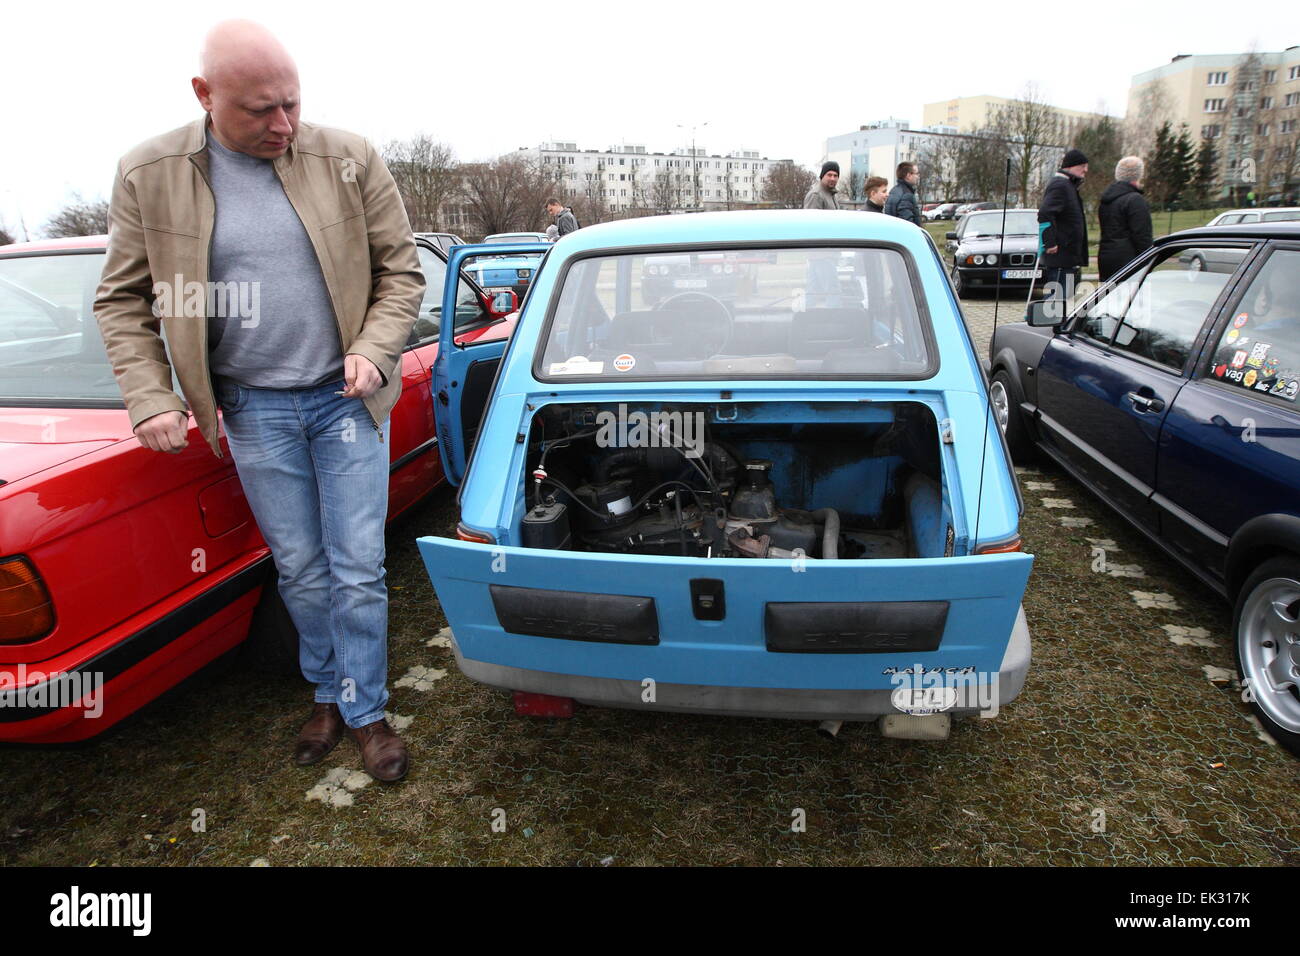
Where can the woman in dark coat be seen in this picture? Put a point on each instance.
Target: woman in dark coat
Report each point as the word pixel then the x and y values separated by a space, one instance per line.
pixel 1125 219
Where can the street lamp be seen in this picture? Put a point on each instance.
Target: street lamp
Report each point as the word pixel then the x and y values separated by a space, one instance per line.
pixel 695 173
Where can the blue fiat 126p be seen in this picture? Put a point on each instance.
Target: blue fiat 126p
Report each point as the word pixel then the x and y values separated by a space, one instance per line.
pixel 782 497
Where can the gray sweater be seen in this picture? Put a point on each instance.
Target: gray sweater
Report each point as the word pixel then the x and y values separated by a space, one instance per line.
pixel 270 321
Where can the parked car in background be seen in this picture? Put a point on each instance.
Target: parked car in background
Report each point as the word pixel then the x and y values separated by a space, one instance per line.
pixel 443 240
pixel 509 272
pixel 984 258
pixel 123 571
pixel 971 207
pixel 944 210
pixel 1232 217
pixel 781 504
pixel 516 237
pixel 1172 395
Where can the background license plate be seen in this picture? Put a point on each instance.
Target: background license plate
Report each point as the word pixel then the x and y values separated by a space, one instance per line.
pixel 1022 273
pixel 690 283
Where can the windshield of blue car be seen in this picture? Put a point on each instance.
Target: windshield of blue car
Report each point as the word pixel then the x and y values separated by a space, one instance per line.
pixel 738 314
pixel 990 224
pixel 50 348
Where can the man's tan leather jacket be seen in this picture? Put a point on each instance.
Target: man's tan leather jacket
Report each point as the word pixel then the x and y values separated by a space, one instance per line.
pixel 160 231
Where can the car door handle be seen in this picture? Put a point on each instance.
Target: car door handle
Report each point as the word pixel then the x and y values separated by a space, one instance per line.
pixel 1146 403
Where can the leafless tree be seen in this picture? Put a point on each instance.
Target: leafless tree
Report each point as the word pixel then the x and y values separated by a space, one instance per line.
pixel 508 195
pixel 1031 129
pixel 427 177
pixel 1145 117
pixel 80 217
pixel 5 238
pixel 940 160
pixel 787 184
pixel 663 198
pixel 981 169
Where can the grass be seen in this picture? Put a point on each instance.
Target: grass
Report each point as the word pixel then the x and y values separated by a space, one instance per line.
pixel 1114 718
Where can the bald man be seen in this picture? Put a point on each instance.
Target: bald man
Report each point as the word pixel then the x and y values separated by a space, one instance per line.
pixel 279 259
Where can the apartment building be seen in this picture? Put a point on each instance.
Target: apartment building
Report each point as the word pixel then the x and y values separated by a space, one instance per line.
pixel 965 113
pixel 1248 104
pixel 628 177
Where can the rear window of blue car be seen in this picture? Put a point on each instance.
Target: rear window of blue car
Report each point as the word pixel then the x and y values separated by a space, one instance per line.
pixel 806 312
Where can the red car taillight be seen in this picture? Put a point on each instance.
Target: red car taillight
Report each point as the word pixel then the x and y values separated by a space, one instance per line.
pixel 26 611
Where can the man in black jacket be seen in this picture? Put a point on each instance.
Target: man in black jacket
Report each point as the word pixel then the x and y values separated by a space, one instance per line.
pixel 1125 219
pixel 1061 226
pixel 902 198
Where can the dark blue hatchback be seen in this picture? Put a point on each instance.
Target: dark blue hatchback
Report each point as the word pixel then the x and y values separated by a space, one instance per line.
pixel 1171 392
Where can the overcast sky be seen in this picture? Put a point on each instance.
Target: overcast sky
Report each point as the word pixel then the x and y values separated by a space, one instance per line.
pixel 84 81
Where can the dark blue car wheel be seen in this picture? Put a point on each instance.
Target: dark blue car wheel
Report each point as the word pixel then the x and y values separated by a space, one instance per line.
pixel 1266 624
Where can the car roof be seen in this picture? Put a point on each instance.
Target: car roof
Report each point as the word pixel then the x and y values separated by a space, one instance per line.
pixel 1262 210
pixel 774 226
pixel 56 245
pixel 1244 230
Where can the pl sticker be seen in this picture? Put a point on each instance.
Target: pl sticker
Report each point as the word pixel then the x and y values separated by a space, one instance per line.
pixel 1240 320
pixel 624 363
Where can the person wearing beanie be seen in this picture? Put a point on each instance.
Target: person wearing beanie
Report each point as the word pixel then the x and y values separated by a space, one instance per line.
pixel 1062 229
pixel 902 198
pixel 1125 219
pixel 822 195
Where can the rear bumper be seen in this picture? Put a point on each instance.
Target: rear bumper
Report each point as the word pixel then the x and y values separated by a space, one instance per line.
pixel 788 703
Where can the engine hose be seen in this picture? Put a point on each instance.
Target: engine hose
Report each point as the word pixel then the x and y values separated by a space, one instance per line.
pixel 831 534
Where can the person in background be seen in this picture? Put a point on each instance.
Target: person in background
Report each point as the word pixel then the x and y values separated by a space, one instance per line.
pixel 552 232
pixel 822 194
pixel 565 221
pixel 876 189
pixel 1062 228
pixel 1125 219
pixel 902 198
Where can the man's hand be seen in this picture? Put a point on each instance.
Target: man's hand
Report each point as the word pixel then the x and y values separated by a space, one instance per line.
pixel 164 432
pixel 361 376
pixel 1051 251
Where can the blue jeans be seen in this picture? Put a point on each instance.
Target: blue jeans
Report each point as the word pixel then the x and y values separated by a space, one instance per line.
pixel 315 472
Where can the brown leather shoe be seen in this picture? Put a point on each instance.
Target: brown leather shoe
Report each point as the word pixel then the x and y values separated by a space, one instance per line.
pixel 382 752
pixel 324 729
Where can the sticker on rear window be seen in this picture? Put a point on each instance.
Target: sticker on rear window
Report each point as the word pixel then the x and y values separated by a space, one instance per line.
pixel 624 363
pixel 578 365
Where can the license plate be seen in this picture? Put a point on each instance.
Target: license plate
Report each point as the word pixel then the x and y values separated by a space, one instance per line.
pixel 493 290
pixel 690 283
pixel 1022 273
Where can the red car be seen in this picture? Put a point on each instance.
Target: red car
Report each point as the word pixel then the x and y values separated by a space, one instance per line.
pixel 123 571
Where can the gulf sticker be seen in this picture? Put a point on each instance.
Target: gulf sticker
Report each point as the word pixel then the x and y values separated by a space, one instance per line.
pixel 624 363
pixel 1233 334
pixel 1240 320
pixel 1249 380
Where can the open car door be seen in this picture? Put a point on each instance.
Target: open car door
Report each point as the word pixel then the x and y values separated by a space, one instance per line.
pixel 467 360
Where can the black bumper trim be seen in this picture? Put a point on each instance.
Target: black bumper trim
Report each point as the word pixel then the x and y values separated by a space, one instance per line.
pixel 576 615
pixel 854 627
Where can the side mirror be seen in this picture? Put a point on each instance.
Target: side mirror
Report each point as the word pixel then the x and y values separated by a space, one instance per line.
pixel 951 235
pixel 502 304
pixel 1045 313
